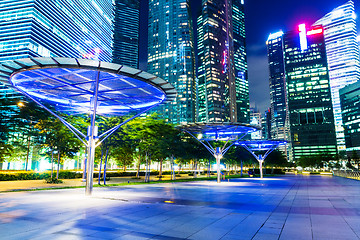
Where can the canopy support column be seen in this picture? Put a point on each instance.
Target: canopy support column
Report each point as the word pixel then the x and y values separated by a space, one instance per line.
pixel 91 142
pixel 218 156
pixel 261 160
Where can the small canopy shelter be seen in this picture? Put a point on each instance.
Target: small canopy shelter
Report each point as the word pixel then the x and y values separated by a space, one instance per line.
pixel 227 132
pixel 262 148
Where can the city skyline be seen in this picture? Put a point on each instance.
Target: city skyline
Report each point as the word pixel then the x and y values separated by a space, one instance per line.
pixel 271 17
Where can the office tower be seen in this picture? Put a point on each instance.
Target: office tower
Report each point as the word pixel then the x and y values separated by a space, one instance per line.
pixel 308 92
pixel 255 120
pixel 126 33
pixel 222 66
pixel 342 51
pixel 54 29
pixel 350 107
pixel 277 82
pixel 170 55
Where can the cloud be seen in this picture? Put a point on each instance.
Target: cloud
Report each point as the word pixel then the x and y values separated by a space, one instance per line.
pixel 256 49
pixel 259 82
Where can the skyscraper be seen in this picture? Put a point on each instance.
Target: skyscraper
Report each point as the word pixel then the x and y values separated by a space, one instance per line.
pixel 222 66
pixel 126 33
pixel 44 28
pixel 308 92
pixel 350 107
pixel 277 82
pixel 171 55
pixel 343 59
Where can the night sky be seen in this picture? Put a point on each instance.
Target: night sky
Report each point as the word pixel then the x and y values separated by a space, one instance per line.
pixel 262 18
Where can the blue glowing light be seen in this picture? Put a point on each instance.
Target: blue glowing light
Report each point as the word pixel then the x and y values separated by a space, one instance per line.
pixel 261 145
pixel 71 86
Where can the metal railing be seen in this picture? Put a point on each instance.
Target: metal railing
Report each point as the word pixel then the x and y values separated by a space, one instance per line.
pixel 347 174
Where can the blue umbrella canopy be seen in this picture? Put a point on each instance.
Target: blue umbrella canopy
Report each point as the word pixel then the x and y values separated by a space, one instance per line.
pixel 69 85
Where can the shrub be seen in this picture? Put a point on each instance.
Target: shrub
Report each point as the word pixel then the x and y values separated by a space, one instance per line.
pixel 53 180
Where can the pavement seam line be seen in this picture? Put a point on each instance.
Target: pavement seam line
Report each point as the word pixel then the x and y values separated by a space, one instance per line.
pixel 287 216
pixel 273 211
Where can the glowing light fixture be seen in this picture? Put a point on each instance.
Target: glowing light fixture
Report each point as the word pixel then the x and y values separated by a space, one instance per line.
pixel 21 104
pixel 314 31
pixel 303 39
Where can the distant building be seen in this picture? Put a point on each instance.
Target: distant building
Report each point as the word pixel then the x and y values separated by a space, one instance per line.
pixel 126 33
pixel 277 82
pixel 266 125
pixel 42 28
pixel 222 66
pixel 256 120
pixel 342 51
pixel 308 92
pixel 171 55
pixel 350 107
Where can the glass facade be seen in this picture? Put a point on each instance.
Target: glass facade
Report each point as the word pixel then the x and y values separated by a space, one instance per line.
pixel 350 107
pixel 256 120
pixel 223 92
pixel 171 55
pixel 126 33
pixel 342 55
pixel 308 93
pixel 58 28
pixel 279 115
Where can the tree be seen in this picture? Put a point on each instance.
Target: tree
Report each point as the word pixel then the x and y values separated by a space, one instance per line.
pixel 59 138
pixel 276 159
pixel 123 155
pixel 24 121
pixel 153 137
pixel 187 149
pixel 5 151
pixel 355 157
pixel 115 140
pixel 306 161
pixel 317 160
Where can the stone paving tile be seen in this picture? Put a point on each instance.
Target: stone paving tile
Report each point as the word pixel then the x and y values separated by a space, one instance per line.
pixel 234 237
pixel 265 236
pixel 184 233
pixel 209 233
pixel 297 226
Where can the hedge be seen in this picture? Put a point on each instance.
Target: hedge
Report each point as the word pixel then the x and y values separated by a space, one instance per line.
pixel 66 174
pixel 30 175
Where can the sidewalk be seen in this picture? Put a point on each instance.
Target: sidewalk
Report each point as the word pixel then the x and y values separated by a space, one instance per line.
pixel 297 207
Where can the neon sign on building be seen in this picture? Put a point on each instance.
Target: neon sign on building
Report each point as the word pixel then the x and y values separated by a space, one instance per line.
pixel 303 35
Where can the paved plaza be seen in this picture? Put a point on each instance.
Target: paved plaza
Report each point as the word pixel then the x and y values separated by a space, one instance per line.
pixel 288 207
